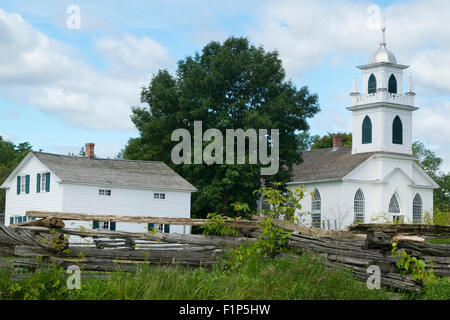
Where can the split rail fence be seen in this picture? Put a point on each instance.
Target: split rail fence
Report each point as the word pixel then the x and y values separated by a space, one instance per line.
pixel 360 247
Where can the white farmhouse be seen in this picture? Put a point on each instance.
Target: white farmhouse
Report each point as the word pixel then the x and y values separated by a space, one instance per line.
pixel 376 177
pixel 51 182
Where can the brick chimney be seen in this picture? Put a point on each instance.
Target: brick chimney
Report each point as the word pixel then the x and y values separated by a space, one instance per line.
pixel 337 141
pixel 90 150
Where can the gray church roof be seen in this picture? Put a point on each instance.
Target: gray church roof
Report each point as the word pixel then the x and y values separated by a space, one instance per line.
pixel 112 172
pixel 327 164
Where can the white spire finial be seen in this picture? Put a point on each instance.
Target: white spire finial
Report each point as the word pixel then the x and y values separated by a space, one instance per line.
pixel 355 84
pixel 383 30
pixel 410 83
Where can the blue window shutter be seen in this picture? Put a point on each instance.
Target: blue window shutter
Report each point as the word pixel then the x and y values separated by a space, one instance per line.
pixel 38 183
pixel 11 220
pixel 19 219
pixel 27 183
pixel 95 225
pixel 151 226
pixel 18 184
pixel 47 182
pixel 112 226
pixel 24 219
pixel 166 228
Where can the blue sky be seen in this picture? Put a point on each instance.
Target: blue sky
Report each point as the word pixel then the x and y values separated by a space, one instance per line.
pixel 61 88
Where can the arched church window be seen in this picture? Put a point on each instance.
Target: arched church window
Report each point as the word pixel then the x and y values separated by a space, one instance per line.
pixel 372 88
pixel 316 207
pixel 397 131
pixel 392 84
pixel 417 208
pixel 393 205
pixel 366 130
pixel 358 206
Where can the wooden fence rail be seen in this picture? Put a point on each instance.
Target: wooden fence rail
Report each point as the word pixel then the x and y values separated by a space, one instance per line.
pixel 110 250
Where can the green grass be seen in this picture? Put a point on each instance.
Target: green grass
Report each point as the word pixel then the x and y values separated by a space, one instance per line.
pixel 305 277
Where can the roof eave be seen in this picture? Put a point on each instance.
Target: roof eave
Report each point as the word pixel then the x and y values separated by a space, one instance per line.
pixel 382 104
pixel 99 184
pixel 388 64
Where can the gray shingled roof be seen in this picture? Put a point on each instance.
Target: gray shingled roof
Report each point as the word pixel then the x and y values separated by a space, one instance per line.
pixel 325 164
pixel 125 173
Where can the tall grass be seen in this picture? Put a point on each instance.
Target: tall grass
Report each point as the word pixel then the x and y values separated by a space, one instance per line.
pixel 258 277
pixel 305 277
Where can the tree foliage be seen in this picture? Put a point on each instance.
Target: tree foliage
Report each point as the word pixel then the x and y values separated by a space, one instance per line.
pixel 431 163
pixel 10 156
pixel 230 85
pixel 326 141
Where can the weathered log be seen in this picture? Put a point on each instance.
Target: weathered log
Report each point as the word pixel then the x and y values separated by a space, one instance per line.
pixel 49 222
pixel 236 223
pixel 165 237
pixel 189 256
pixel 406 229
pixel 383 241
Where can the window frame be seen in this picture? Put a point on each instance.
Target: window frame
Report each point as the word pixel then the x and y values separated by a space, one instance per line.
pixel 359 206
pixel 159 196
pixel 417 208
pixel 43 182
pixel 372 84
pixel 392 85
pixel 366 130
pixel 397 130
pixel 394 205
pixel 104 192
pixel 316 209
pixel 23 183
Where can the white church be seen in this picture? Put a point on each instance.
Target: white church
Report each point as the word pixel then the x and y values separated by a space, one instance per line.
pixel 376 179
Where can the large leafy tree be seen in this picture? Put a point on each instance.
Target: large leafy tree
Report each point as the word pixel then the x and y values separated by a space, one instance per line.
pixel 228 85
pixel 431 163
pixel 10 156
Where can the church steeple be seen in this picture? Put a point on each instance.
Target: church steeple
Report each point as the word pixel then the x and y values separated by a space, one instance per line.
pixel 383 103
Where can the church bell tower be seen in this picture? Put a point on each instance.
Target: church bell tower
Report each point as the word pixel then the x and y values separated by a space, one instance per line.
pixel 382 113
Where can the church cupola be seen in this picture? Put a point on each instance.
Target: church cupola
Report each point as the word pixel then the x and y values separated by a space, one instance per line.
pixel 382 113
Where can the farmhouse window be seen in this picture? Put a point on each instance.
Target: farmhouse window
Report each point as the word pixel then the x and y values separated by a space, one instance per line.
pixel 160 196
pixel 165 228
pixel 104 192
pixel 23 184
pixel 43 182
pixel 100 225
pixel 104 225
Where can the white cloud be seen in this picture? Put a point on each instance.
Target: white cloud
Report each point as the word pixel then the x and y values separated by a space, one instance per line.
pixel 7 137
pixel 133 55
pixel 47 74
pixel 312 33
